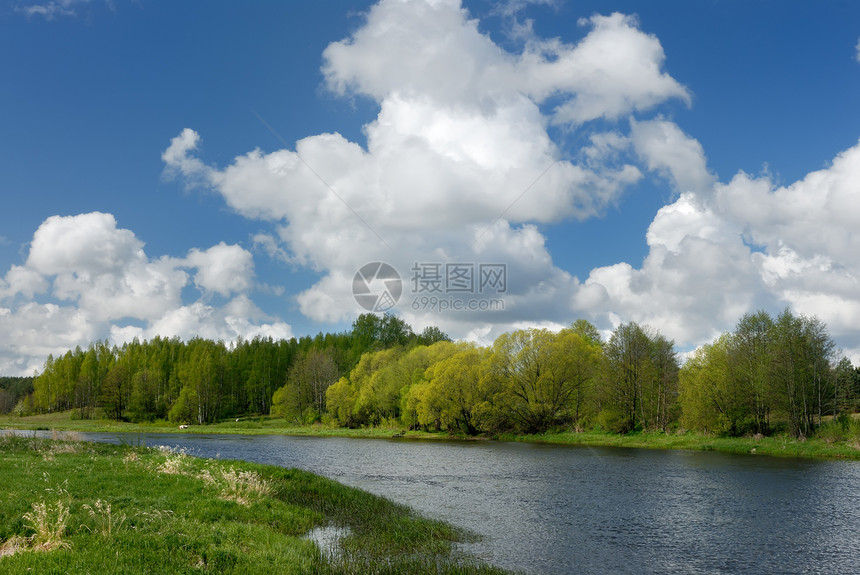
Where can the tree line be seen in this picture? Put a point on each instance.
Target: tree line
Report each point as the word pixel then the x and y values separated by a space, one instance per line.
pixel 199 380
pixel 528 381
pixel 768 375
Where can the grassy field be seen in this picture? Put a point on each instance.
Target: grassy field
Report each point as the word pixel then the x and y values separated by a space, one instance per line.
pixel 73 507
pixel 830 442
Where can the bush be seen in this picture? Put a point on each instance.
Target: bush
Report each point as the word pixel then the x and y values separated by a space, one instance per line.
pixel 611 420
pixel 833 432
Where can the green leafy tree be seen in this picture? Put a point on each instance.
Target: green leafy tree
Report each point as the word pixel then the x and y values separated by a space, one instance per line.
pixel 116 391
pixel 544 376
pixel 402 381
pixel 145 400
pixel 586 330
pixel 800 366
pixel 12 390
pixel 303 397
pixel 432 334
pixel 202 375
pixel 751 355
pixel 375 400
pixel 711 400
pixel 456 395
pixel 844 389
pixel 641 381
pixel 341 399
pixel 97 362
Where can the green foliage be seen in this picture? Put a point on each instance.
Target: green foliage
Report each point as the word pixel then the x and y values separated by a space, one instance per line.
pixel 341 398
pixel 448 390
pixel 640 386
pixel 767 373
pixel 712 401
pixel 12 391
pixel 612 421
pixel 303 398
pixel 544 377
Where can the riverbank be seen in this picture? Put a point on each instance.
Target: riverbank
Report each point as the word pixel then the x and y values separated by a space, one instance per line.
pixel 779 445
pixel 72 506
pixel 831 444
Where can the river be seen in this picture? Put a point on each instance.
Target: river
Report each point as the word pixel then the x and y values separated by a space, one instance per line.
pixel 550 509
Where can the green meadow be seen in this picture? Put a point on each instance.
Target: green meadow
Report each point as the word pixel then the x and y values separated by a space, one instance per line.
pixel 69 506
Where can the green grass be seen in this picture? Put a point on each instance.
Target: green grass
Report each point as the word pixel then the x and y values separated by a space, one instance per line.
pixel 75 507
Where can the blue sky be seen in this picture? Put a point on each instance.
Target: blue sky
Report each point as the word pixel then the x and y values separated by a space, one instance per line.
pixel 224 169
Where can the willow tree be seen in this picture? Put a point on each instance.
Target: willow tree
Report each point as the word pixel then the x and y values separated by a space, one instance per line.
pixel 360 398
pixel 543 376
pixel 454 394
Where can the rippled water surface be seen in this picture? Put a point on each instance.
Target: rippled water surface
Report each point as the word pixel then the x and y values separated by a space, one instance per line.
pixel 559 509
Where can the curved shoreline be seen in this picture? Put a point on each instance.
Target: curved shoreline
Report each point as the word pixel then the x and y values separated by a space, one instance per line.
pixel 157 510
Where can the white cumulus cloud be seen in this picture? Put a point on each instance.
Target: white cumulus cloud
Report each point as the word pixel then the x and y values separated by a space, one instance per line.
pixel 459 163
pixel 463 164
pixel 222 269
pixel 730 248
pixel 102 284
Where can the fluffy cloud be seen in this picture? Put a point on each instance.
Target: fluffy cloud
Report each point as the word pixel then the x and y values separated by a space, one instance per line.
pixel 726 249
pixel 435 50
pixel 460 166
pixel 697 279
pixel 21 280
pixel 817 215
pixel 86 244
pixel 459 163
pixel 667 150
pixel 103 268
pixel 615 70
pixel 102 284
pixel 222 269
pixel 29 332
pixel 809 235
pixel 198 319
